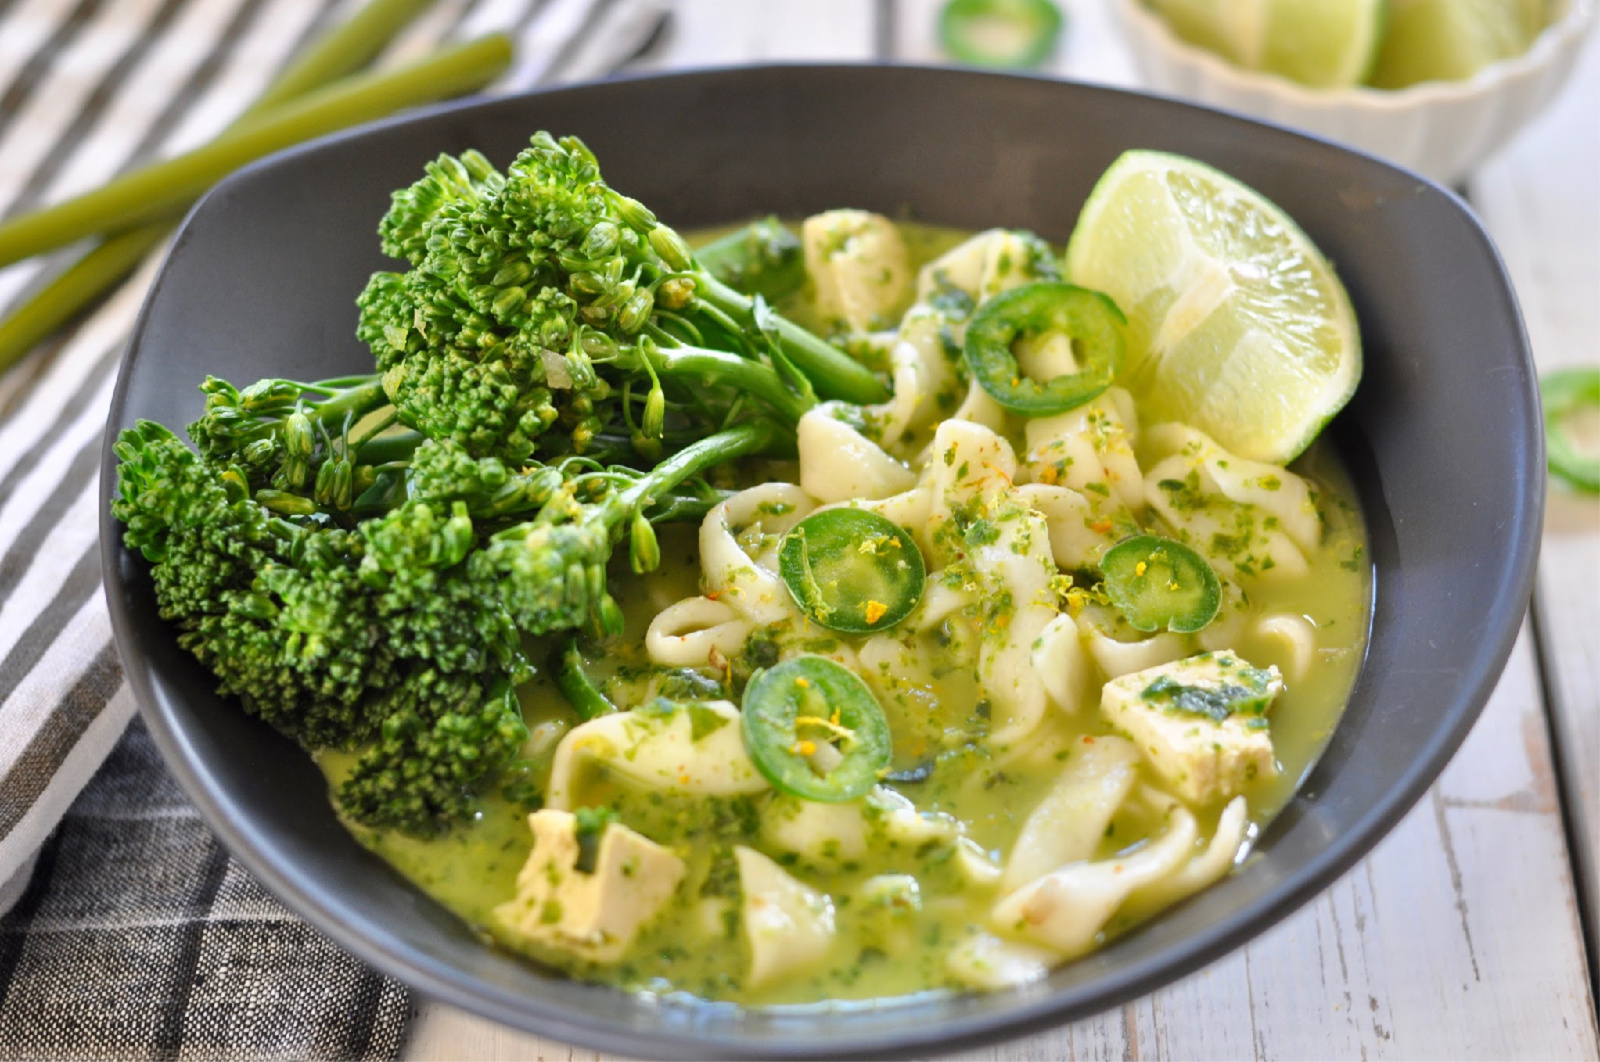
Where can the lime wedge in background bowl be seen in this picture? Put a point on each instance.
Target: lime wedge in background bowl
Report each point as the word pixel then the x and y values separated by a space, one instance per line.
pixel 1321 43
pixel 1237 325
pixel 1450 40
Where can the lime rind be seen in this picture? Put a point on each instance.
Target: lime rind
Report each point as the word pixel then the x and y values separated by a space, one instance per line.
pixel 1237 323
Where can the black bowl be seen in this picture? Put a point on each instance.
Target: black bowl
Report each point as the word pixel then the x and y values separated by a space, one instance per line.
pixel 1444 439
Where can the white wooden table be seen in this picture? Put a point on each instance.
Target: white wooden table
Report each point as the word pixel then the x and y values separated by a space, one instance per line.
pixel 1461 936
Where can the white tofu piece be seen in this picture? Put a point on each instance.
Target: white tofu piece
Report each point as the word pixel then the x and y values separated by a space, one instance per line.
pixel 859 266
pixel 594 915
pixel 789 925
pixel 1200 722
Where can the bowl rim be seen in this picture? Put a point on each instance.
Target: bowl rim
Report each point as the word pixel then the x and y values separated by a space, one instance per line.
pixel 440 981
pixel 1563 35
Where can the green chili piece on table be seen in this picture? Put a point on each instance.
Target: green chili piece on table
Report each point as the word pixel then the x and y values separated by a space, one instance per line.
pixel 1090 319
pixel 1012 34
pixel 1161 585
pixel 852 570
pixel 814 730
pixel 1567 393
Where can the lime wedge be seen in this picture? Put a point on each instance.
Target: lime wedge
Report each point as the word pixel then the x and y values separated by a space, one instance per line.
pixel 1236 323
pixel 1231 30
pixel 1447 40
pixel 1321 43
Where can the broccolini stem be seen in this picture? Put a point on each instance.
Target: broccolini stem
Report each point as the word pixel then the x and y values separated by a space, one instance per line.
pixel 730 370
pixel 834 373
pixel 396 446
pixel 687 502
pixel 160 189
pixel 713 450
pixel 576 686
pixel 340 383
pixel 762 258
pixel 355 402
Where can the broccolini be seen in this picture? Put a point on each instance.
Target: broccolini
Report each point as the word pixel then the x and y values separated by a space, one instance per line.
pixel 358 560
pixel 541 303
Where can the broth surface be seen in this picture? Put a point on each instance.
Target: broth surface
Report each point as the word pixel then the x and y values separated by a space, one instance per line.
pixel 695 947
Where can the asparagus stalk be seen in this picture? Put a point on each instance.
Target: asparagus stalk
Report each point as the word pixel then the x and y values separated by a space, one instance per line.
pixel 345 48
pixel 163 187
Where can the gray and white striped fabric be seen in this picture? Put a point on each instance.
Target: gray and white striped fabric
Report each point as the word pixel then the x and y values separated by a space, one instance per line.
pixel 87 89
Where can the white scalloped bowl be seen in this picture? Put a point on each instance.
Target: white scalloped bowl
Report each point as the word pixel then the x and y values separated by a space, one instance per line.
pixel 1441 129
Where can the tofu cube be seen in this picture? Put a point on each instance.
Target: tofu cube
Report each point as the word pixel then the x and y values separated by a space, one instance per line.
pixel 592 915
pixel 1201 722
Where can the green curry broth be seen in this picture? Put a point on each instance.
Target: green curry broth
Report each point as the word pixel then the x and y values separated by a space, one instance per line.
pixel 937 716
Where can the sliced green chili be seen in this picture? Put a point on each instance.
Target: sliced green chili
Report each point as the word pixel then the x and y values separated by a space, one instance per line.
pixel 852 570
pixel 814 730
pixel 764 258
pixel 1012 34
pixel 576 686
pixel 1158 584
pixel 1090 319
pixel 1565 393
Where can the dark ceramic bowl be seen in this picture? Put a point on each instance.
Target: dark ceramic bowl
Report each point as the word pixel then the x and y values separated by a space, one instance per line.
pixel 1443 437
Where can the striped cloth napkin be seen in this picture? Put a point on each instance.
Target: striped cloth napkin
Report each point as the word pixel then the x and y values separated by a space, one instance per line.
pixel 87 89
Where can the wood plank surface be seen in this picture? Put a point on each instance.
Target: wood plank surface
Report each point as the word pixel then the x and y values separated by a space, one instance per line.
pixel 1541 200
pixel 1460 935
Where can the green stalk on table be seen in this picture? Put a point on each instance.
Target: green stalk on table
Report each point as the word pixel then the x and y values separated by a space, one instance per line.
pixel 163 187
pixel 347 48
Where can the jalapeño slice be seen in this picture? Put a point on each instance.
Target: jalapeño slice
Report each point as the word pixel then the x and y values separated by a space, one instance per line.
pixel 1090 319
pixel 852 570
pixel 814 730
pixel 1160 585
pixel 1566 393
pixel 1009 34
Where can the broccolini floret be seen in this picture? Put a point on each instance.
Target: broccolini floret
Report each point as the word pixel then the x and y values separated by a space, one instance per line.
pixel 320 631
pixel 543 301
pixel 402 633
pixel 272 608
pixel 441 736
pixel 359 560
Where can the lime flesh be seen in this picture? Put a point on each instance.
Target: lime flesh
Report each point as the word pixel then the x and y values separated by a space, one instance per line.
pixel 1321 43
pixel 1449 40
pixel 1236 323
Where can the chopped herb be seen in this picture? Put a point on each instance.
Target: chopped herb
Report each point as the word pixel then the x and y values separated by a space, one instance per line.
pixel 591 826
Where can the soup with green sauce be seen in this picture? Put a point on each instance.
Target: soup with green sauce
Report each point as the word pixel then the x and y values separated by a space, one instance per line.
pixel 1054 774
